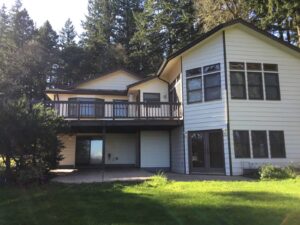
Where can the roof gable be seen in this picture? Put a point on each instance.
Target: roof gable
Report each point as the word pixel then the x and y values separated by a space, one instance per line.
pixel 221 27
pixel 116 80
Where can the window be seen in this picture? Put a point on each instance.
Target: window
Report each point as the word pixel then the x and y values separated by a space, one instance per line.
pixel 120 108
pixel 85 107
pixel 193 72
pixel 277 145
pixel 259 144
pixel 151 97
pixel 194 90
pixel 241 143
pixel 255 86
pixel 211 89
pixel 256 75
pixel 272 86
pixel 238 85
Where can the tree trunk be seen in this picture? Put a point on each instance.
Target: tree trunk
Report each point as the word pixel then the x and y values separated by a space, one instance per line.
pixel 8 174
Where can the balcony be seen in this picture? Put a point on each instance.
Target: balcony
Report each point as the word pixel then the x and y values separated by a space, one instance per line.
pixel 100 110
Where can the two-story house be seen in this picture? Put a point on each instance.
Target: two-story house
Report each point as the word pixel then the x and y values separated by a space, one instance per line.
pixel 227 102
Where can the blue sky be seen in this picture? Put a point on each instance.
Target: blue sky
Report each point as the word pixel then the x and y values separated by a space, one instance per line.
pixel 56 11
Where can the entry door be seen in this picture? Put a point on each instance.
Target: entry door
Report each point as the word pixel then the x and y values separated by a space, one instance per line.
pixel 89 151
pixel 206 151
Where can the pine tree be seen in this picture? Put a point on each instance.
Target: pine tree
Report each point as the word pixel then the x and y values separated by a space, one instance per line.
pixel 162 28
pixel 67 35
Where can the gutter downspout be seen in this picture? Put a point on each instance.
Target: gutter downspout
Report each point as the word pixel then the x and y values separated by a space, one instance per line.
pixel 227 103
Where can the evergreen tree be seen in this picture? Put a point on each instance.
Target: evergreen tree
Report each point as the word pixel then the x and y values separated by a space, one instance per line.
pixel 67 35
pixel 162 28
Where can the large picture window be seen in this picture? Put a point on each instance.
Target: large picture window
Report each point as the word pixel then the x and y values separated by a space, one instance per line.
pixel 203 84
pixel 241 143
pixel 85 107
pixel 262 81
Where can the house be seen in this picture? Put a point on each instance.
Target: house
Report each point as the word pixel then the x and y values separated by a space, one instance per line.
pixel 226 103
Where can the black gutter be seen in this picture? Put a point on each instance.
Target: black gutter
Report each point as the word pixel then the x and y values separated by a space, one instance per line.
pixel 227 103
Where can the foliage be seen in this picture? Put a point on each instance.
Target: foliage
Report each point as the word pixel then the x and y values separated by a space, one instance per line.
pixel 268 172
pixel 28 137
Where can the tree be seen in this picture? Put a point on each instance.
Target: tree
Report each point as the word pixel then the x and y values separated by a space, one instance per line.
pixel 162 28
pixel 67 35
pixel 279 17
pixel 214 12
pixel 28 137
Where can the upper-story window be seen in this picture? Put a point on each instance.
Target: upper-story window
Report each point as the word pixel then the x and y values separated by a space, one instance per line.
pixel 203 84
pixel 262 81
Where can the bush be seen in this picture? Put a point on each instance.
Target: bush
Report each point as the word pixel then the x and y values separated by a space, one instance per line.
pixel 269 172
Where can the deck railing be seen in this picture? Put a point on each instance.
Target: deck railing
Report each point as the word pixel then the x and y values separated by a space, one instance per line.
pixel 116 110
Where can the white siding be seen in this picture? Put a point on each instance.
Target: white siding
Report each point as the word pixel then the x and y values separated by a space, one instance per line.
pixel 154 86
pixel 68 152
pixel 114 81
pixel 205 115
pixel 246 46
pixel 155 149
pixel 122 147
pixel 177 150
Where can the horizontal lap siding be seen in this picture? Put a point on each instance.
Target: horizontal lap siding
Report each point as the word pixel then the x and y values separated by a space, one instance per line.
pixel 68 152
pixel 283 115
pixel 177 150
pixel 205 115
pixel 114 81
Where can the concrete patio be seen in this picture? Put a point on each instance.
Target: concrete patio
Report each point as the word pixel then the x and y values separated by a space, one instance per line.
pixel 112 175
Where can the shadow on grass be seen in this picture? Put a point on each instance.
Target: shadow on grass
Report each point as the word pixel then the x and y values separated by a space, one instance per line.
pixel 111 204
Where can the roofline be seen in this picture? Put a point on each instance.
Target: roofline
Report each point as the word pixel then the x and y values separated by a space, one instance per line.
pixel 145 80
pixel 87 91
pixel 215 30
pixel 102 75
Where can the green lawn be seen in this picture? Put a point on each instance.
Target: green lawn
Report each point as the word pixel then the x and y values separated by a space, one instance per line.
pixel 211 203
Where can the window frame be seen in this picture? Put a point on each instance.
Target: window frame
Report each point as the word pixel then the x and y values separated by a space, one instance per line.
pixel 272 86
pixel 283 144
pixel 201 75
pixel 261 85
pixel 266 156
pixel 211 87
pixel 264 69
pixel 152 103
pixel 249 145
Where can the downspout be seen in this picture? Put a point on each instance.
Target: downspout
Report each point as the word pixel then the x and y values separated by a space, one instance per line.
pixel 227 102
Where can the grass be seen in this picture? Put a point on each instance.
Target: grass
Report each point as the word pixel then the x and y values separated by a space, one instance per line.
pixel 154 202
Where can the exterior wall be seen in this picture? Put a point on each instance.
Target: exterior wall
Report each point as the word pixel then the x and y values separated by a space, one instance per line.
pixel 68 152
pixel 154 86
pixel 114 81
pixel 155 149
pixel 205 115
pixel 122 147
pixel 245 45
pixel 107 98
pixel 177 150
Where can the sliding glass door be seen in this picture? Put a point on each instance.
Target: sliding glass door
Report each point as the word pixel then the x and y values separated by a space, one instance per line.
pixel 89 151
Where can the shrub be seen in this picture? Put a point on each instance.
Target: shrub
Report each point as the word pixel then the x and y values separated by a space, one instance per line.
pixel 268 172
